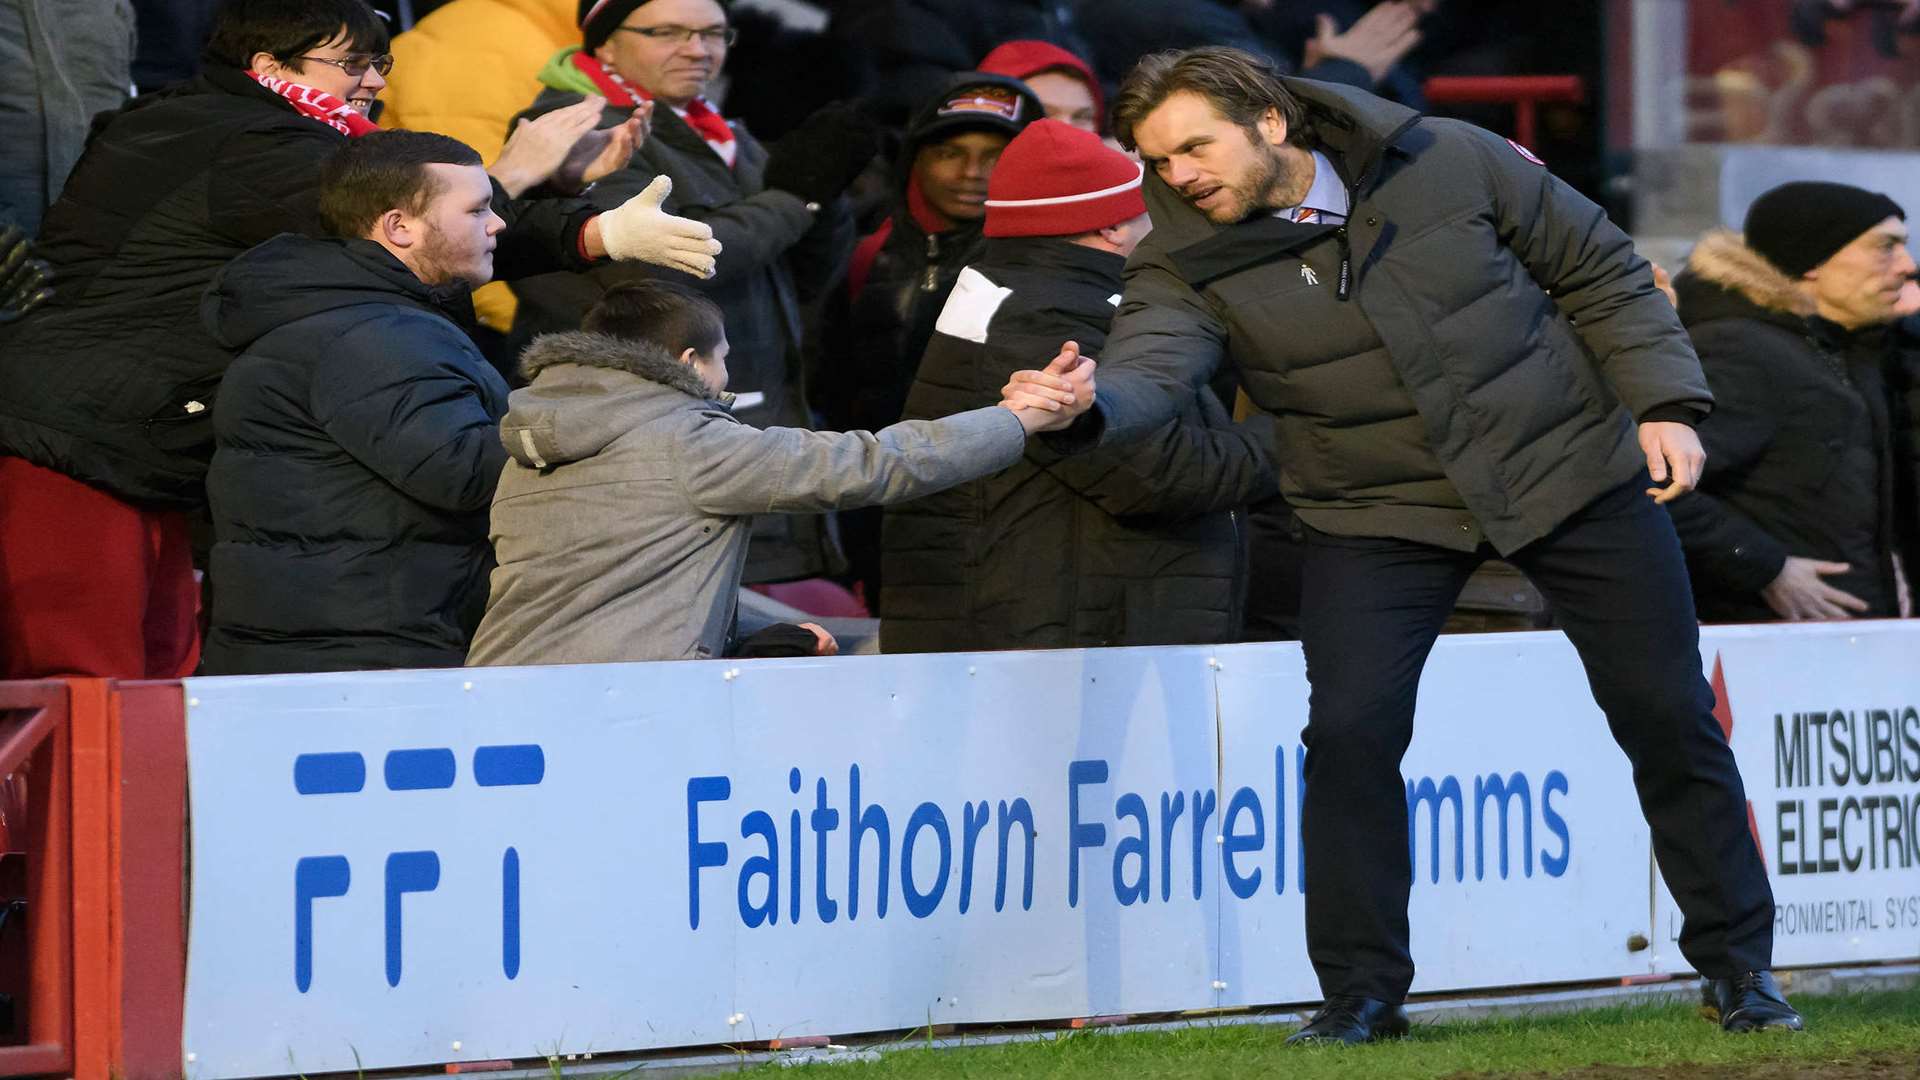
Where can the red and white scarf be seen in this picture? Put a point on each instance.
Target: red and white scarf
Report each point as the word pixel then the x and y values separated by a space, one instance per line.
pixel 702 117
pixel 316 104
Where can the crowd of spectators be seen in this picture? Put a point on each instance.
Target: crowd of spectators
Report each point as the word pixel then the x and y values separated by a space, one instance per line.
pixel 535 332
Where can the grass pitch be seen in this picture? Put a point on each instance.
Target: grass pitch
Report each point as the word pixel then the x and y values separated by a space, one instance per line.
pixel 1863 1036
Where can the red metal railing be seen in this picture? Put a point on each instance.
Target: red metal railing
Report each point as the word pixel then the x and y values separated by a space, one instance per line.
pixel 103 842
pixel 1526 93
pixel 34 744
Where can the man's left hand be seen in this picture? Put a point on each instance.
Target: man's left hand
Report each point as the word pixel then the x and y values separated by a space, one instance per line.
pixel 605 151
pixel 1673 453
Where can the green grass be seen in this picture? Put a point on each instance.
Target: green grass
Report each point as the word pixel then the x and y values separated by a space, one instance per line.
pixel 1873 1034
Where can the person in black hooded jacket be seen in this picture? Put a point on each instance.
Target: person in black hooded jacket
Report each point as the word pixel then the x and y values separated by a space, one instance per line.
pixel 872 335
pixel 1135 547
pixel 1803 515
pixel 357 441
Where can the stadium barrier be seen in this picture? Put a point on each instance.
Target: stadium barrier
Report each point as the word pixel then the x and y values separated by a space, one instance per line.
pixel 406 869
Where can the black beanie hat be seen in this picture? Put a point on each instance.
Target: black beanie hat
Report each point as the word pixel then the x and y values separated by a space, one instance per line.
pixel 599 17
pixel 1799 225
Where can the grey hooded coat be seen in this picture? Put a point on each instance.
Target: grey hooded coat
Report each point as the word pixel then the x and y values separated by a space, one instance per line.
pixel 620 523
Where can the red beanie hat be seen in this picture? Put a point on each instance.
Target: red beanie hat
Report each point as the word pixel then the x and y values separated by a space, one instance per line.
pixel 1020 59
pixel 1054 179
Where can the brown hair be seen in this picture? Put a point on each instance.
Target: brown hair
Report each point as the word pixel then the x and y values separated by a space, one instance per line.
pixel 382 171
pixel 664 313
pixel 1240 86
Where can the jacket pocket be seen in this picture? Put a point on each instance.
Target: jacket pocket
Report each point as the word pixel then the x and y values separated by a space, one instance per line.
pixel 184 425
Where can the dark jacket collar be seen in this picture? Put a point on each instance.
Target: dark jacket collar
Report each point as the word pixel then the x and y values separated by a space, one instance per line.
pixel 1057 256
pixel 293 277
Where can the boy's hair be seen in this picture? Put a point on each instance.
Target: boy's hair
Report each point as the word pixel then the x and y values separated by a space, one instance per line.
pixel 663 313
pixel 1239 85
pixel 285 29
pixel 382 171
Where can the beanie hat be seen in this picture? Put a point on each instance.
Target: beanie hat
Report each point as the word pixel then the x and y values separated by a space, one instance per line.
pixel 1799 225
pixel 1055 179
pixel 976 101
pixel 1024 59
pixel 598 18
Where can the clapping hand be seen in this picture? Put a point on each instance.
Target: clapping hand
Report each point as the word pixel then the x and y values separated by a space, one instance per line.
pixel 1051 399
pixel 537 148
pixel 605 151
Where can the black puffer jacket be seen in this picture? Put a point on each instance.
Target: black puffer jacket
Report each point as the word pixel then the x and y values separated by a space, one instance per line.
pixel 1800 447
pixel 1136 547
pixel 114 382
pixel 359 448
pixel 1480 380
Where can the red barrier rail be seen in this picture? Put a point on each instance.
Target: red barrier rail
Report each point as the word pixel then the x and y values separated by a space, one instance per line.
pixel 103 841
pixel 35 745
pixel 1526 93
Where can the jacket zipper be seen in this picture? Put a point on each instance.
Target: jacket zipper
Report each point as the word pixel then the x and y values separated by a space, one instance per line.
pixel 932 281
pixel 1344 291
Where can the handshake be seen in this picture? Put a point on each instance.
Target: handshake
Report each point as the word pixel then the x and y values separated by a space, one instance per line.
pixel 1051 399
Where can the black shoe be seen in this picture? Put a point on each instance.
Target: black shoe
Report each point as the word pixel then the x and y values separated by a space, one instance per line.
pixel 1750 1002
pixel 1351 1021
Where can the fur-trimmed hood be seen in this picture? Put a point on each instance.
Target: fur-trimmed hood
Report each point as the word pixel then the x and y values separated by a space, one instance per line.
pixel 1725 278
pixel 585 390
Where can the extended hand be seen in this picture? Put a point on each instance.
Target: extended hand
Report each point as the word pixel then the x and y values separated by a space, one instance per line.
pixel 536 148
pixel 640 229
pixel 1376 41
pixel 1673 452
pixel 1797 592
pixel 1051 399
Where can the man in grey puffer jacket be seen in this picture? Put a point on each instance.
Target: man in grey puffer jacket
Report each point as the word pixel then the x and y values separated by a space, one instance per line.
pixel 1464 359
pixel 620 524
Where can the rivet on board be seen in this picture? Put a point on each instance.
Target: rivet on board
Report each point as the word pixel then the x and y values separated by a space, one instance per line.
pixel 734 1020
pixel 1213 662
pixel 466 686
pixel 192 701
pixel 1218 985
pixel 456 1042
pixel 970 669
pixel 732 674
pixel 1219 839
pixel 192 1057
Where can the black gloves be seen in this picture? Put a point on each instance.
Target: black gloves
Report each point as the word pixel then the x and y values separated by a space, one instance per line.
pixel 818 159
pixel 23 278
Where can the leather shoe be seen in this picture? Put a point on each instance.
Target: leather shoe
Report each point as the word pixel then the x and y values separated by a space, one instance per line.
pixel 1351 1021
pixel 1749 1002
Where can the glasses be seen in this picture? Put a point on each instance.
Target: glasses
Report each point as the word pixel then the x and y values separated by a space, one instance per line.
pixel 356 66
pixel 713 37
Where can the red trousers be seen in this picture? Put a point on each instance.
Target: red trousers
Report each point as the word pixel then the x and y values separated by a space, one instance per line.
pixel 90 585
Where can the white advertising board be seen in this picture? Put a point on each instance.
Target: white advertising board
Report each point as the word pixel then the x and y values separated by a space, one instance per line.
pixel 406 868
pixel 1825 723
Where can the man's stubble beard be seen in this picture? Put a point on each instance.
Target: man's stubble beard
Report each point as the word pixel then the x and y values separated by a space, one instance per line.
pixel 1264 188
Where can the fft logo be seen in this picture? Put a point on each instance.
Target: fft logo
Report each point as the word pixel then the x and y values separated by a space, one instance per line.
pixel 317 877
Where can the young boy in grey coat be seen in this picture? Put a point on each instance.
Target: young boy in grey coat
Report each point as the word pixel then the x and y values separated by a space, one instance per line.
pixel 621 521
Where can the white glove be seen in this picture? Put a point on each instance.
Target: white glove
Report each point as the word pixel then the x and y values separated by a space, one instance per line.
pixel 639 229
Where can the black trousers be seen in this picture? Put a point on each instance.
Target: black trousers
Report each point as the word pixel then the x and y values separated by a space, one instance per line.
pixel 1370 610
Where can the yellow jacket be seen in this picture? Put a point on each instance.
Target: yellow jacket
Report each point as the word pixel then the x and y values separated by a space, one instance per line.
pixel 465 70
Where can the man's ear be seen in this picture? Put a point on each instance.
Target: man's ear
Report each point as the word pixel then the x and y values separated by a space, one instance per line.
pixel 688 355
pixel 1272 126
pixel 397 229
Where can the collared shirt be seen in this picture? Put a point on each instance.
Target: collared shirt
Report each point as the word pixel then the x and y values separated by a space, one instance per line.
pixel 1326 201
